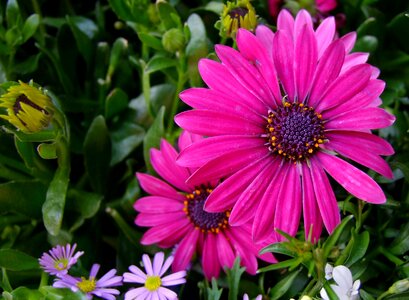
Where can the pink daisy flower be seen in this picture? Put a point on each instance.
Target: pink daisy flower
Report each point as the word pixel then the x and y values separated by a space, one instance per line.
pixel 322 7
pixel 174 211
pixel 280 114
pixel 154 283
pixel 59 259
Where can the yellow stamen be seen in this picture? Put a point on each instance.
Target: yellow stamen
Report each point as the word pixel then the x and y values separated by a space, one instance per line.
pixel 153 283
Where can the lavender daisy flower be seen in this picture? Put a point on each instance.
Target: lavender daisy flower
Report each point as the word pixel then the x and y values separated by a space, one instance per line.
pixel 59 259
pixel 153 281
pixel 92 286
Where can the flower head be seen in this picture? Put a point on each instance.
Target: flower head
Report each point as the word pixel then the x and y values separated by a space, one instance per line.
pixel 175 213
pixel 344 288
pixel 246 297
pixel 28 108
pixel 92 286
pixel 235 15
pixel 280 114
pixel 153 280
pixel 59 259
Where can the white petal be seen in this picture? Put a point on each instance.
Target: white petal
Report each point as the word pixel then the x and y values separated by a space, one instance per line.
pixel 328 271
pixel 343 277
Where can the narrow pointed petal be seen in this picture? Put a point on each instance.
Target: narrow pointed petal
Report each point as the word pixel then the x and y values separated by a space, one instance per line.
pixel 324 194
pixel 185 250
pixel 210 261
pixel 302 19
pixel 288 211
pixel 284 61
pixel 211 123
pixel 157 204
pixel 157 187
pixel 349 41
pixel 265 35
pixel 352 179
pixel 155 219
pixel 361 119
pixel 170 233
pixel 207 149
pixel 325 34
pixel 243 248
pixel 285 21
pixel 224 251
pixel 187 138
pixel 353 59
pixel 306 56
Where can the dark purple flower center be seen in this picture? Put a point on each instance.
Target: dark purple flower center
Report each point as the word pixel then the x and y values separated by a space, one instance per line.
pixel 205 221
pixel 294 131
pixel 24 99
pixel 238 12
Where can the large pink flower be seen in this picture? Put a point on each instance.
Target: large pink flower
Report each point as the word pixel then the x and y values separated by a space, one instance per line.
pixel 176 217
pixel 280 114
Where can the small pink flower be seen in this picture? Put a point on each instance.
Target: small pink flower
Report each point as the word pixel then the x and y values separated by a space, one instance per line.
pixel 280 114
pixel 174 211
pixel 59 259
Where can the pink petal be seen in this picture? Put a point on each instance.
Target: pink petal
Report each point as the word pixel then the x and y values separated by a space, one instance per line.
pixel 361 119
pixel 185 250
pixel 326 5
pixel 224 251
pixel 327 70
pixel 211 123
pixel 246 206
pixel 366 141
pixel 252 49
pixel 349 41
pixel 353 59
pixel 210 261
pixel 158 262
pixel 312 216
pixel 157 187
pixel 157 204
pixel 207 149
pixel 305 61
pixel 170 233
pixel 285 21
pixel 324 194
pixel 325 34
pixel 187 138
pixel 345 87
pixel 226 164
pixel 352 179
pixel 207 99
pixel 155 219
pixel 284 61
pixel 147 264
pixel 218 78
pixel 288 210
pixel 265 35
pixel 241 242
pixel 302 19
pixel 225 195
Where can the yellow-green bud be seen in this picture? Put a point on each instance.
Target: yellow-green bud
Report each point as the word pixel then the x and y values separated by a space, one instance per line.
pixel 173 40
pixel 235 15
pixel 399 286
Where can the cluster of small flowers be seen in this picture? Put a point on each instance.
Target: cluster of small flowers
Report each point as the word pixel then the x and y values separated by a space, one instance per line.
pixel 60 259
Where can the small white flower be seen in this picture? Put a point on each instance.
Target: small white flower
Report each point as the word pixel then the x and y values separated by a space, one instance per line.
pixel 246 297
pixel 344 288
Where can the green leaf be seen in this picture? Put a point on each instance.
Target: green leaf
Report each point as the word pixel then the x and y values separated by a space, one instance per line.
pixel 158 63
pixel 150 41
pixel 23 293
pixel 119 48
pixel 214 293
pixel 368 43
pixel 30 26
pixel 283 285
pixel 22 197
pixel 122 9
pixel 125 139
pixel 360 245
pixel 153 137
pixel 52 293
pixel 331 294
pixel 116 102
pixel 233 278
pixel 333 238
pixel 28 65
pixel 87 204
pixel 132 235
pixel 290 263
pixel 13 15
pixel 365 295
pixel 166 11
pixel 400 245
pixel 47 150
pixel 281 248
pixel 15 260
pixel 84 30
pixel 97 153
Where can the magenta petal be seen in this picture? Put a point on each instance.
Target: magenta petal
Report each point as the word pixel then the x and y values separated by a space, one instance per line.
pixel 244 71
pixel 325 34
pixel 207 99
pixel 361 119
pixel 366 141
pixel 327 70
pixel 349 41
pixel 211 123
pixel 285 21
pixel 157 187
pixel 288 211
pixel 353 59
pixel 187 138
pixel 326 5
pixel 226 164
pixel 241 241
pixel 155 219
pixel 352 179
pixel 284 61
pixel 246 206
pixel 210 261
pixel 226 193
pixel 201 152
pixel 312 216
pixel 224 251
pixel 173 231
pixel 265 35
pixel 306 57
pixel 324 194
pixel 251 48
pixel 185 250
pixel 156 204
pixel 345 87
pixel 302 19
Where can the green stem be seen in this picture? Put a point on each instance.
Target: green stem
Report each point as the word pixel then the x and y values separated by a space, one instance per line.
pixel 44 279
pixel 391 256
pixel 9 174
pixel 37 10
pixel 146 89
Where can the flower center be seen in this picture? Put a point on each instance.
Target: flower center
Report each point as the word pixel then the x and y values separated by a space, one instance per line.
pixel 294 131
pixel 24 99
pixel 205 221
pixel 238 12
pixel 87 285
pixel 152 283
pixel 61 264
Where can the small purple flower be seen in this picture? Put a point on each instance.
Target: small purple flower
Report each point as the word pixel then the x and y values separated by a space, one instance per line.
pixel 59 259
pixel 92 286
pixel 153 281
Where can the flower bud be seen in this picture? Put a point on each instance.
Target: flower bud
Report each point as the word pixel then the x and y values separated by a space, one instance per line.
pixel 235 15
pixel 173 40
